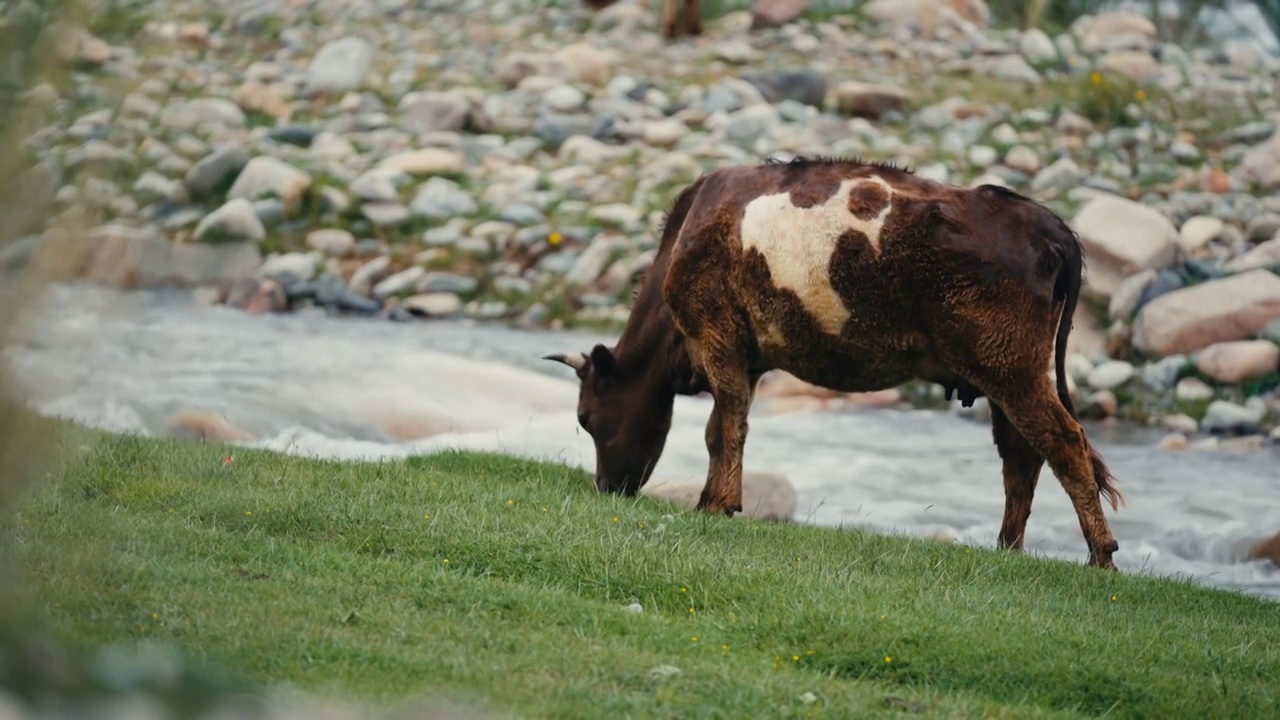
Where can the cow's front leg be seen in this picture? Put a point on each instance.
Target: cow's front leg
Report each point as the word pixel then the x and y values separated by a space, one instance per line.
pixel 726 437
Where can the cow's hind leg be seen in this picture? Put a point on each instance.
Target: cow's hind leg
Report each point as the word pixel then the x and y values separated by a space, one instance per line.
pixel 1035 411
pixel 671 18
pixel 1022 465
pixel 693 17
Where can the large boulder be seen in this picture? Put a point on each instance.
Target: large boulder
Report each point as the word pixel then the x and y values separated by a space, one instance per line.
pixel 127 257
pixel 1238 361
pixel 926 15
pixel 765 496
pixel 1232 308
pixel 1114 30
pixel 1122 238
pixel 769 13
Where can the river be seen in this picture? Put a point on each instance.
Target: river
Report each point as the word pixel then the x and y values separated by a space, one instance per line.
pixel 307 383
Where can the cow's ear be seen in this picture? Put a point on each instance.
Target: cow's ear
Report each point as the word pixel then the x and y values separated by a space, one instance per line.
pixel 603 362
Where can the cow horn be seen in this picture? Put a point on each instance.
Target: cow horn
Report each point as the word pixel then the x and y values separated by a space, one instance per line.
pixel 577 361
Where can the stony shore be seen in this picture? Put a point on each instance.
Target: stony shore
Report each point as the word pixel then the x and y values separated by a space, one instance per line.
pixel 409 161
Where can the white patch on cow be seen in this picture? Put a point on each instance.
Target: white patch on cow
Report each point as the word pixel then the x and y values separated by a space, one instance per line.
pixel 797 243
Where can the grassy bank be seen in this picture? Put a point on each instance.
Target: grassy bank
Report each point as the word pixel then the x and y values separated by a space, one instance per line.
pixel 504 581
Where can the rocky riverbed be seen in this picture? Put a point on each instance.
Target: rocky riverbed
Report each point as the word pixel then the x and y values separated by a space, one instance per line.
pixel 418 160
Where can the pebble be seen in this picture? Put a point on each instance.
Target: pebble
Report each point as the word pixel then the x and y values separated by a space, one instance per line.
pixel 1110 375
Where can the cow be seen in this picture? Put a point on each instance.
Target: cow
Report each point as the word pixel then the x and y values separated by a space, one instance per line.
pixel 854 276
pixel 678 16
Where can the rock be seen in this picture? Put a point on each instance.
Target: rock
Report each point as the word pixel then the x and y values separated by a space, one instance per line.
pixel 435 304
pixel 1271 331
pixel 268 297
pixel 1267 549
pixel 1037 47
pixel 80 47
pixel 1110 374
pixel 1231 308
pixel 1199 231
pixel 289 268
pixel 593 261
pixel 1114 29
pixel 442 199
pixel 385 214
pixel 1174 441
pixel 151 186
pixel 926 15
pixel 432 111
pixel 339 66
pixel 125 257
pixel 1125 300
pixel 1023 159
pixel 585 63
pixel 1013 68
pixel 664 133
pixel 1062 175
pixel 1238 361
pixel 765 496
pixel 266 176
pixel 1192 389
pixel 331 241
pixel 869 100
pixel 256 97
pixel 564 98
pixel 216 169
pixel 447 283
pixel 1227 417
pixel 399 283
pixel 1266 255
pixel 1136 65
pixel 773 13
pixel 427 161
pixel 1180 423
pixel 206 113
pixel 807 87
pixel 193 424
pixel 1260 166
pixel 1122 237
pixel 234 221
pixel 1263 227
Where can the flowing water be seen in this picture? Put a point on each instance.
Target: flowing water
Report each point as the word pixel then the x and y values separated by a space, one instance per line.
pixel 311 384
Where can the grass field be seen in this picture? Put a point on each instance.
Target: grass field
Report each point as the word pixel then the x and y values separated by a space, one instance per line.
pixel 506 582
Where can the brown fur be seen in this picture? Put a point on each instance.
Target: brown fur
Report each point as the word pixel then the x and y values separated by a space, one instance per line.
pixel 972 289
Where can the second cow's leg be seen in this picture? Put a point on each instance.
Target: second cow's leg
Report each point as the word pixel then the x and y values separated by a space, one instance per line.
pixel 693 17
pixel 1021 469
pixel 671 17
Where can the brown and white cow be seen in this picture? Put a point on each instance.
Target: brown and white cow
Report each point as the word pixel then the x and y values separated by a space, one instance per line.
pixel 678 16
pixel 854 276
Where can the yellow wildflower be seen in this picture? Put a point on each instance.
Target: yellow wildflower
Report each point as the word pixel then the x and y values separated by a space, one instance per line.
pixel 1140 96
pixel 695 638
pixel 1095 77
pixel 888 659
pixel 554 238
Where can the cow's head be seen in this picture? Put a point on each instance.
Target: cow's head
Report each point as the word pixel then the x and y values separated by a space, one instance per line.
pixel 626 414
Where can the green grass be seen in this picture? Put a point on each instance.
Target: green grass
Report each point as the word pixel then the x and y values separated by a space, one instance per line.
pixel 503 581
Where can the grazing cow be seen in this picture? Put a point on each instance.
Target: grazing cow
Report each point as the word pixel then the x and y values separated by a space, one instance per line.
pixel 854 276
pixel 678 16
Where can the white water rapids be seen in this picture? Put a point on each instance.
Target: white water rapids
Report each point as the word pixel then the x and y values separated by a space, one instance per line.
pixel 309 384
